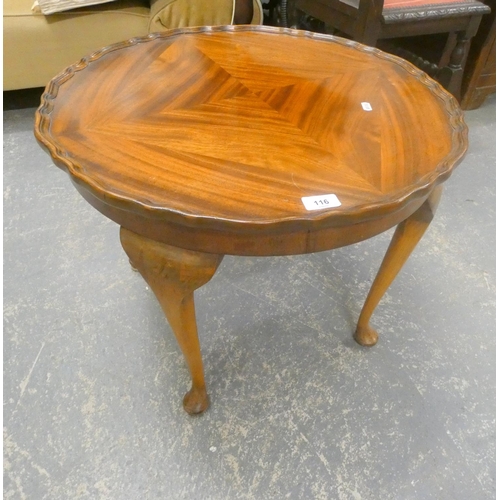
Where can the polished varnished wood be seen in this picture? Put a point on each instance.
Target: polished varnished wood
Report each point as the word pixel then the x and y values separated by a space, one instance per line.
pixel 225 130
pixel 202 142
pixel 173 274
pixel 404 240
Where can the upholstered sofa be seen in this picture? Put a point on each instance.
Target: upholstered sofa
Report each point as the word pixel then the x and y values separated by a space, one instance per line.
pixel 38 46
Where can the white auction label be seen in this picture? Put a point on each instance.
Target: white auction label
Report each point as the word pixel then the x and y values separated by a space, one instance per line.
pixel 366 106
pixel 321 202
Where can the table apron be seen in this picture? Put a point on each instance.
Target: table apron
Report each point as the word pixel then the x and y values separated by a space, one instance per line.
pixel 266 243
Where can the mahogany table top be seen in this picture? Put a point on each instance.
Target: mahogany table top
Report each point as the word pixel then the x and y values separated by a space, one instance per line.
pixel 229 128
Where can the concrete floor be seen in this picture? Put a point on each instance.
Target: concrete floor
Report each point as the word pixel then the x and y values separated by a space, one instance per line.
pixel 93 378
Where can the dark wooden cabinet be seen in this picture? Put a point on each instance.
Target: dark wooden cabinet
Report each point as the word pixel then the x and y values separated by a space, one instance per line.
pixel 480 71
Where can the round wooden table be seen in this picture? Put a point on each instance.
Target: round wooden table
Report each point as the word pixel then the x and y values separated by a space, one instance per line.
pixel 243 140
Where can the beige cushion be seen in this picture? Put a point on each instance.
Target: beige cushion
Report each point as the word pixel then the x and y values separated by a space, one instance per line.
pixel 38 47
pixel 167 14
pixel 258 13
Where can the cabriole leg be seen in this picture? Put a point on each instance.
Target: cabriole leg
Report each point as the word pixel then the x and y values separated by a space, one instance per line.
pixel 173 274
pixel 404 240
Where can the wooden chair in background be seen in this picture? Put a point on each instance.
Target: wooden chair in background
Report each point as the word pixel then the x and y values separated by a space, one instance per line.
pixel 375 22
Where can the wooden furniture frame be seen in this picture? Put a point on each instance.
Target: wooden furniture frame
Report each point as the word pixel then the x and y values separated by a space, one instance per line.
pixel 480 71
pixel 368 22
pixel 203 142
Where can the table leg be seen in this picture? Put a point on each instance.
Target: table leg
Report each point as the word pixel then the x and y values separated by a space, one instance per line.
pixel 404 240
pixel 173 274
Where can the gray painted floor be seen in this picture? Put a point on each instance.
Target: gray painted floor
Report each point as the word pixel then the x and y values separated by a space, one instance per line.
pixel 93 378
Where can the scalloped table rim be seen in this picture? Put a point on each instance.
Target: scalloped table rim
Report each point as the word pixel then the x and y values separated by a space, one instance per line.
pixel 316 220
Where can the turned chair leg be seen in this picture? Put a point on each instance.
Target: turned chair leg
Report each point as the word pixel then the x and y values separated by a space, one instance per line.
pixel 173 274
pixel 404 240
pixel 451 76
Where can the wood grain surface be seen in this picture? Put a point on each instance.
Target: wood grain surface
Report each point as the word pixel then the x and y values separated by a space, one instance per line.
pixel 226 129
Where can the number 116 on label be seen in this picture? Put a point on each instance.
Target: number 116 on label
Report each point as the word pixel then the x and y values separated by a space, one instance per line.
pixel 321 202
